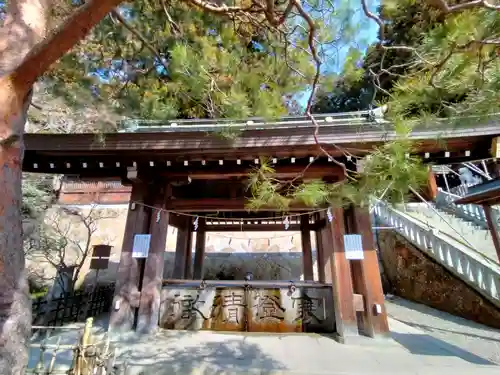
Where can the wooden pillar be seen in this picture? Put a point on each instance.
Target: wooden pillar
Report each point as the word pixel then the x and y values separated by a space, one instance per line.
pixel 127 295
pixel 183 243
pixel 199 255
pixel 338 273
pixel 496 169
pixel 149 307
pixel 366 276
pixel 188 264
pixel 307 262
pixel 320 257
pixel 492 225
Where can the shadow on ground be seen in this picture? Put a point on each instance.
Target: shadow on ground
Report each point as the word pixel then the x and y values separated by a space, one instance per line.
pixel 429 328
pixel 426 345
pixel 436 328
pixel 186 354
pixel 423 309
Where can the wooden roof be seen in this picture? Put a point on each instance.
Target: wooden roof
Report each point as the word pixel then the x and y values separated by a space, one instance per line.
pixel 189 143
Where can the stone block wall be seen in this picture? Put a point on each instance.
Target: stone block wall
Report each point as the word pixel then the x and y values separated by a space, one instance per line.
pixel 268 255
pixel 411 274
pixel 234 266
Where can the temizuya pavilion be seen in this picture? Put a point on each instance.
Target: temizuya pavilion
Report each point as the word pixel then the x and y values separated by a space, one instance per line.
pixel 183 168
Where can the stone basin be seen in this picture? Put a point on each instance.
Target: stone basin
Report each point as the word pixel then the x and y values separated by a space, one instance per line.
pixel 247 306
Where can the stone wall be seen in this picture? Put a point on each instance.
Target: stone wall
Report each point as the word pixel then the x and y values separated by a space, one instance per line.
pixel 107 226
pixel 263 266
pixel 268 255
pixel 413 275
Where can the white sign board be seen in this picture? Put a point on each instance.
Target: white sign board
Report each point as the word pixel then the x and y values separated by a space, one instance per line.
pixel 141 246
pixel 353 246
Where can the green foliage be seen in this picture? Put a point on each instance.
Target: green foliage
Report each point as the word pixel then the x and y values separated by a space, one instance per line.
pixel 170 60
pixel 228 133
pixel 197 65
pixel 428 66
pixel 451 71
pixel 458 70
pixel 352 73
pixel 37 195
pixel 390 171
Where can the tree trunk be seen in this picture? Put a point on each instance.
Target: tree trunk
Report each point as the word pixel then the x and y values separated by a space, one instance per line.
pixel 27 49
pixel 15 303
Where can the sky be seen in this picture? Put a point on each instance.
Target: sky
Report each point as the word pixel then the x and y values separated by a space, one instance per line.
pixel 367 34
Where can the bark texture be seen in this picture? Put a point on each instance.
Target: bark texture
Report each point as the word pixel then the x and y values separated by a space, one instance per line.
pixel 25 26
pixel 27 49
pixel 15 303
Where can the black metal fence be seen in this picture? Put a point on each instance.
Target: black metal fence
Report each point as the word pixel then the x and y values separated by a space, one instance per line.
pixel 72 307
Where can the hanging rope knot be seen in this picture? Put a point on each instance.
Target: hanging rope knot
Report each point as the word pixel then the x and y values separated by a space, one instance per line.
pixel 287 223
pixel 329 215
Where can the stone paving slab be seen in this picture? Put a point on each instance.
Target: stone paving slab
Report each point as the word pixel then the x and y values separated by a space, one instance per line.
pixel 207 353
pixel 460 335
pixel 411 350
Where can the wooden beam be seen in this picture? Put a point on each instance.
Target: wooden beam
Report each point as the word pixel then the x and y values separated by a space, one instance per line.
pixel 149 308
pixel 305 235
pixel 127 295
pixel 188 262
pixel 132 176
pixel 495 148
pixel 338 273
pixel 221 204
pixel 176 221
pixel 282 172
pixel 431 190
pixel 199 255
pixel 260 142
pixel 366 276
pixel 252 228
pixel 492 226
pixel 320 257
pixel 181 250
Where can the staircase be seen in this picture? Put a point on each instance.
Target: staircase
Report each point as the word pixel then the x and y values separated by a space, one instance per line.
pixel 471 233
pixel 461 245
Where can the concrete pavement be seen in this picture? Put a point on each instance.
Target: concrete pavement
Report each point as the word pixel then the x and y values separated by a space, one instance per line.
pixel 411 351
pixel 454 332
pixel 180 352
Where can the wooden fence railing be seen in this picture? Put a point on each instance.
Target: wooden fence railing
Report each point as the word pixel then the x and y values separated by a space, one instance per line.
pixel 72 307
pixel 88 354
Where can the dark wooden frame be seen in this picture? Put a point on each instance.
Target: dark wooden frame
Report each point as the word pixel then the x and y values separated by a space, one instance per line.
pixel 160 165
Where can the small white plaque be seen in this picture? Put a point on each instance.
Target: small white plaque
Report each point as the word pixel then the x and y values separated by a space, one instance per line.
pixel 141 246
pixel 353 246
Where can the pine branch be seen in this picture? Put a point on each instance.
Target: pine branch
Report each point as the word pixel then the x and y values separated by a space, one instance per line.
pixel 148 45
pixel 176 30
pixel 63 38
pixel 446 8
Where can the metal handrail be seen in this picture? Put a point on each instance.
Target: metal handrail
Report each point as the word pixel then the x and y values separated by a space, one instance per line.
pixel 474 268
pixel 447 236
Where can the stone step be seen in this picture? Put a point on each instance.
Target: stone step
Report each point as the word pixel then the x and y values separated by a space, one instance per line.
pixel 463 231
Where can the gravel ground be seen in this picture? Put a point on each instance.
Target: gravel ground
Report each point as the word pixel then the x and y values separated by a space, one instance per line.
pixel 463 334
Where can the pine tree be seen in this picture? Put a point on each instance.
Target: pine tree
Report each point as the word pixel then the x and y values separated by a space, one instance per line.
pixel 406 23
pixel 163 60
pixel 186 67
pixel 431 61
pixel 36 34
